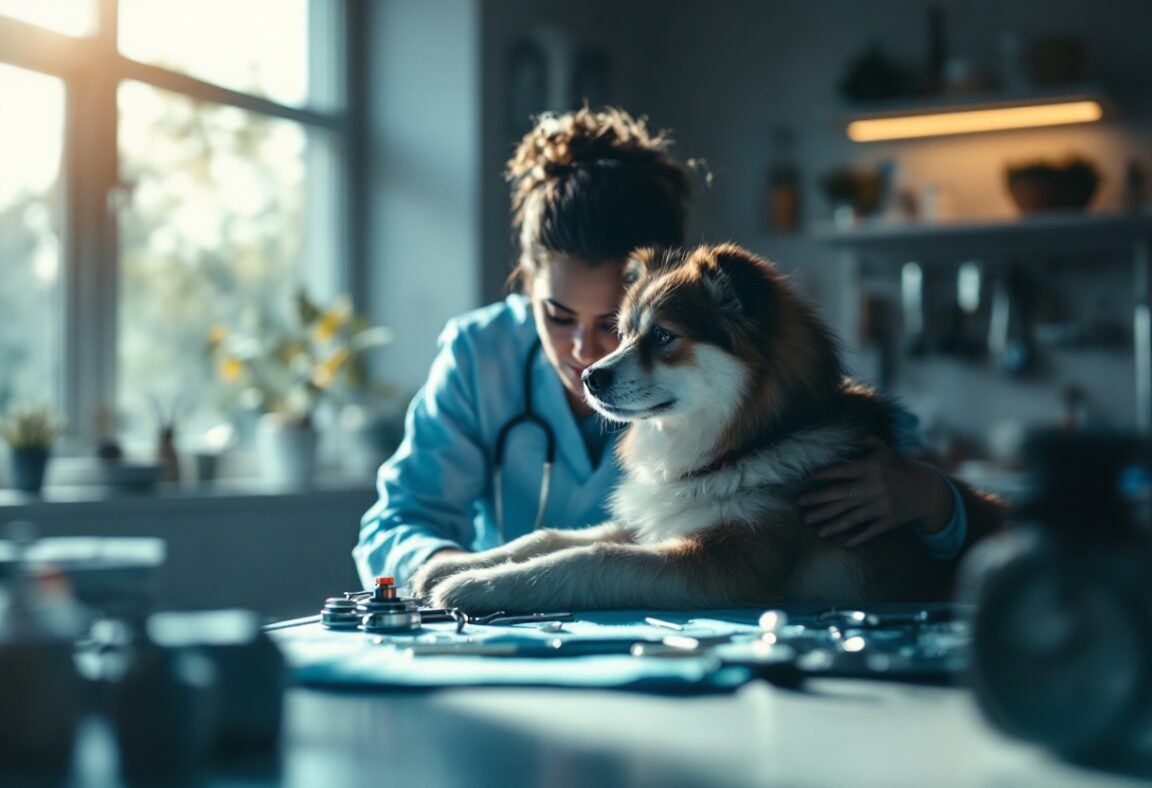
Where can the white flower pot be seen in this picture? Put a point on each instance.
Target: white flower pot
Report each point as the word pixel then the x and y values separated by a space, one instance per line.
pixel 287 452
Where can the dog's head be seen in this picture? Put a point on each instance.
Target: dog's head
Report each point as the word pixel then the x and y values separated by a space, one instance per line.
pixel 713 330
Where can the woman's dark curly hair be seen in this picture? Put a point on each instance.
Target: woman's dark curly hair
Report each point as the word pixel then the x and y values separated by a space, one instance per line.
pixel 594 186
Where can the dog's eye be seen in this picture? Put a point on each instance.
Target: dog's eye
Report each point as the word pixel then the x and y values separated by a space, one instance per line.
pixel 662 337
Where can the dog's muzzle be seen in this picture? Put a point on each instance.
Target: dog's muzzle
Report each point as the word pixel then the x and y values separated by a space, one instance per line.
pixel 597 380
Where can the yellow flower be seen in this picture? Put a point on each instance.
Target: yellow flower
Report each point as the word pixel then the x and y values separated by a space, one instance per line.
pixel 325 373
pixel 296 364
pixel 335 318
pixel 230 369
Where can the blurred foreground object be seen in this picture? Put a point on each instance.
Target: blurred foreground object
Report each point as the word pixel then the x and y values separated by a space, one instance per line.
pixel 40 689
pixel 191 690
pixel 1062 629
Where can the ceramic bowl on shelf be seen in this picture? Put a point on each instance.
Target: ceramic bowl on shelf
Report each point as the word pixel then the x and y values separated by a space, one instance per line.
pixel 1043 186
pixel 131 476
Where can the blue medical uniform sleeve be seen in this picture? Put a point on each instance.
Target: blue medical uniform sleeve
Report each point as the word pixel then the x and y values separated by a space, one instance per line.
pixel 428 488
pixel 947 543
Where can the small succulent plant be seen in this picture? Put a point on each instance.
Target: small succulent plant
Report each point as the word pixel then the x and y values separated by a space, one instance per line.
pixel 31 427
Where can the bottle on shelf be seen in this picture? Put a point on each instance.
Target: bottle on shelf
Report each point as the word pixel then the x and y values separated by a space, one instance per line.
pixel 783 185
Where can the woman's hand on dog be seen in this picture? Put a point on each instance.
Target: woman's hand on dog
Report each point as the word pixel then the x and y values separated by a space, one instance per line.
pixel 876 493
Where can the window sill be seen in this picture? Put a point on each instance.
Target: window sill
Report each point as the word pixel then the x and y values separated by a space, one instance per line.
pixel 230 494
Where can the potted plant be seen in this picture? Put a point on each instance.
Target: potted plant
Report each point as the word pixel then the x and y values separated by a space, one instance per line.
pixel 287 367
pixel 30 433
pixel 1043 185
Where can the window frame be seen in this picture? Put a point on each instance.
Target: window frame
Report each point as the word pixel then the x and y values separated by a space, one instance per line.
pixel 92 69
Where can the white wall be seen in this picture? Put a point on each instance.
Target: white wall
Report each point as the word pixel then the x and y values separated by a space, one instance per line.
pixel 424 238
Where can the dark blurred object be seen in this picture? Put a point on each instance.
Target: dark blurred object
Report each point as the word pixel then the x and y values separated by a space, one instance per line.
pixel 109 450
pixel 107 447
pixel 937 49
pixel 198 688
pixel 130 477
pixel 879 329
pixel 41 696
pixel 1062 633
pixel 965 335
pixel 527 74
pixel 1134 187
pixel 871 76
pixel 1013 74
pixel 1072 399
pixel 1056 61
pixel 1045 186
pixel 162 711
pixel 784 184
pixel 28 467
pixel 166 454
pixel 861 190
pixel 1010 340
pixel 250 675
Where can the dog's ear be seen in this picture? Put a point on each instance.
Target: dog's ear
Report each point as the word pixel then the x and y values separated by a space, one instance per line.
pixel 741 282
pixel 721 287
pixel 640 262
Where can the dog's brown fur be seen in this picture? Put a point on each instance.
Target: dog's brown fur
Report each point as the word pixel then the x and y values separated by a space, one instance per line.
pixel 706 518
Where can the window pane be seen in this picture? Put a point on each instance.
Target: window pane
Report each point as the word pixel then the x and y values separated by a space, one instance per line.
pixel 222 209
pixel 73 17
pixel 31 142
pixel 255 46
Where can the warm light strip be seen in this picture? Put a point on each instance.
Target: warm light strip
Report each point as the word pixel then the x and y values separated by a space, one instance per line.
pixel 906 126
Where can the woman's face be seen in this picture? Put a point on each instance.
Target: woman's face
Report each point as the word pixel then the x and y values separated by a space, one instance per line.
pixel 575 309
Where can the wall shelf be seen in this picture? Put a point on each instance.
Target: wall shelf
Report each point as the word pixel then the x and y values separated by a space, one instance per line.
pixel 1048 236
pixel 1058 234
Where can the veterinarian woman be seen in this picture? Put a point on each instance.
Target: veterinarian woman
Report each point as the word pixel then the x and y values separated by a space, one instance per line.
pixel 500 440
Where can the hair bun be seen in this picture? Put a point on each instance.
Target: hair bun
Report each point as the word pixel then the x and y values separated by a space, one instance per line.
pixel 558 143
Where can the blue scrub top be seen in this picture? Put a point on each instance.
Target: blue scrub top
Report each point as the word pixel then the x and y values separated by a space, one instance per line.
pixel 437 490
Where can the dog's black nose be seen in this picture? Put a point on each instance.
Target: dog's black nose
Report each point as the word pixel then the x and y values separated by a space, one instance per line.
pixel 597 379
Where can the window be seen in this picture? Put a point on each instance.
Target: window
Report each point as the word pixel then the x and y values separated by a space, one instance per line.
pixel 31 142
pixel 167 165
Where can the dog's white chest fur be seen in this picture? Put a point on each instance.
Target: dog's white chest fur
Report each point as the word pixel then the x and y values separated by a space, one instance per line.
pixel 659 498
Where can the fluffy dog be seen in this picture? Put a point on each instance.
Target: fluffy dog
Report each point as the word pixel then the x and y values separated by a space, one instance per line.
pixel 734 392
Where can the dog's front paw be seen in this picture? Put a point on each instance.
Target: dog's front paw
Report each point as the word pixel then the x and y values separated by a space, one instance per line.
pixel 478 591
pixel 432 573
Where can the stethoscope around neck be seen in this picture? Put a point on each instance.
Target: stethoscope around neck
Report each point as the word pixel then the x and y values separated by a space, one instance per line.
pixel 528 416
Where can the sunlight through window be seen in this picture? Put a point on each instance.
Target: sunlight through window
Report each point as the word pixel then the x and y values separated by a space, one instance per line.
pixel 214 223
pixel 31 142
pixel 256 46
pixel 72 17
